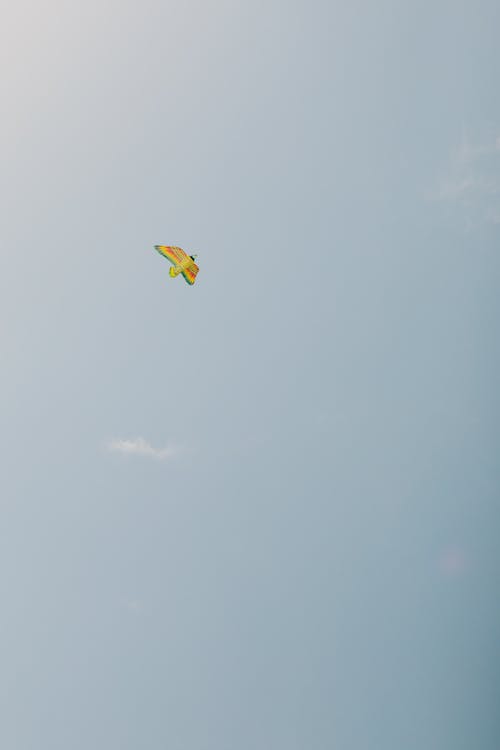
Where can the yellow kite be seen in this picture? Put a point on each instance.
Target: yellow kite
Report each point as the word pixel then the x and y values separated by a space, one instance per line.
pixel 181 262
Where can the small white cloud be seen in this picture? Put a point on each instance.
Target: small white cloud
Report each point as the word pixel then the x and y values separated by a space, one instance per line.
pixel 141 447
pixel 452 561
pixel 471 181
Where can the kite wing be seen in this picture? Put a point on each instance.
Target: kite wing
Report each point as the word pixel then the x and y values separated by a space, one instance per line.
pixel 190 272
pixel 175 255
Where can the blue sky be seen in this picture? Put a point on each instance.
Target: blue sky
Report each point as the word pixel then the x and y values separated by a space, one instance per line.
pixel 260 512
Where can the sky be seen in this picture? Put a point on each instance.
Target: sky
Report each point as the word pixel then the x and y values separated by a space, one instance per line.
pixel 262 511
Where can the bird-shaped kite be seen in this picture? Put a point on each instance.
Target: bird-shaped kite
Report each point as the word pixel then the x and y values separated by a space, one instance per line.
pixel 181 262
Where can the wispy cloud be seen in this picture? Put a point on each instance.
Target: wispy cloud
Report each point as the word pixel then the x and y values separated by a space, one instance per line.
pixel 140 447
pixel 471 181
pixel 452 561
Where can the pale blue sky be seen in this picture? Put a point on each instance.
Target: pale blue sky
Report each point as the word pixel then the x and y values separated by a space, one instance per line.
pixel 312 563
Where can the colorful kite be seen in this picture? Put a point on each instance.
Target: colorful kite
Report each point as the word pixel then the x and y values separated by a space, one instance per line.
pixel 181 262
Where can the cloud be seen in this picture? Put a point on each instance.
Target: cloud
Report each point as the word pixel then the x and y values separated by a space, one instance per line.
pixel 471 181
pixel 140 447
pixel 452 562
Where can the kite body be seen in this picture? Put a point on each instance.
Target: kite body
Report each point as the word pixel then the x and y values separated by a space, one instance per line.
pixel 181 262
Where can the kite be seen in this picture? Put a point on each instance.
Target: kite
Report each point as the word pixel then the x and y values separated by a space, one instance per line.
pixel 181 262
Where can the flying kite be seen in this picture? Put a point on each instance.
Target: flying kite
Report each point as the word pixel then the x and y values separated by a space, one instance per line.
pixel 181 262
